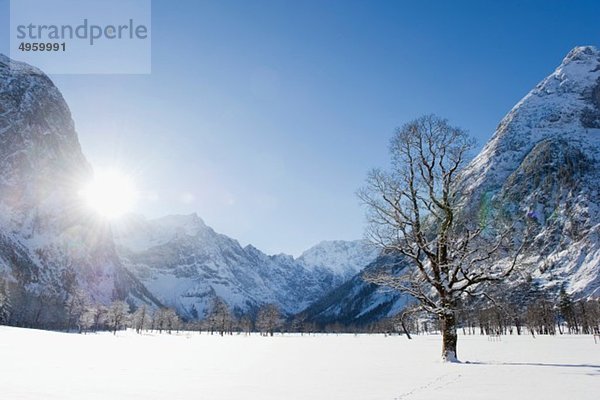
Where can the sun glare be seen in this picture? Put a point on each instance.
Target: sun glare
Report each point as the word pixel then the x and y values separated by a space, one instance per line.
pixel 110 194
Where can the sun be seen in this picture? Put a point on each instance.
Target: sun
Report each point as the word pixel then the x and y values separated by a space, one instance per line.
pixel 110 193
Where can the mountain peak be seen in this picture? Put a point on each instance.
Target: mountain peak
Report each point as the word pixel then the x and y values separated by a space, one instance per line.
pixel 563 106
pixel 579 74
pixel 582 53
pixel 138 233
pixel 342 257
pixel 189 222
pixel 18 67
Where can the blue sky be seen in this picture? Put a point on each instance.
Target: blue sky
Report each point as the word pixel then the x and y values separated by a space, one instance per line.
pixel 264 116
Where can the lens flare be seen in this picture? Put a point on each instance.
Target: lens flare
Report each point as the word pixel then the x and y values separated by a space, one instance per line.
pixel 111 194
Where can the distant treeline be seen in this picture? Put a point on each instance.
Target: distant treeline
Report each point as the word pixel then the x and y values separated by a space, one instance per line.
pixel 543 317
pixel 73 312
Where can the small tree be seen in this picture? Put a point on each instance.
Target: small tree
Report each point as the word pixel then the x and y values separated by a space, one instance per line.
pixel 172 321
pixel 413 211
pixel 219 317
pixel 297 325
pixel 140 318
pixel 100 314
pixel 405 320
pixel 75 305
pixel 245 324
pixel 117 314
pixel 268 319
pixel 567 312
pixel 4 302
pixel 160 320
pixel 87 319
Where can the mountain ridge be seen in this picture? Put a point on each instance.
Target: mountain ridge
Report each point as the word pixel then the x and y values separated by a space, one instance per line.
pixel 187 264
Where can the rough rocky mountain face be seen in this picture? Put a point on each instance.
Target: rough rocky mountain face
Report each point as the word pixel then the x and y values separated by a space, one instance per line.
pixel 50 247
pixel 540 173
pixel 186 264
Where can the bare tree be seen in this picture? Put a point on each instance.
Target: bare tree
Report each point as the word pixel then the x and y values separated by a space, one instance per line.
pixel 159 320
pixel 172 321
pixel 117 315
pixel 245 324
pixel 140 318
pixel 405 320
pixel 268 319
pixel 87 319
pixel 219 317
pixel 541 318
pixel 4 303
pixel 297 325
pixel 413 211
pixel 75 305
pixel 100 313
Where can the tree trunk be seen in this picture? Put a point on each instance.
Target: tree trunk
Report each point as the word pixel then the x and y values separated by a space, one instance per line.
pixel 406 332
pixel 449 337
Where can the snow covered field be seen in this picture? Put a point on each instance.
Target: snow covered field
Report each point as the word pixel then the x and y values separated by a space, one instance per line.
pixel 48 365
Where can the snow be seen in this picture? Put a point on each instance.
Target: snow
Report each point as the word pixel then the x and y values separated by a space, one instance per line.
pixel 344 258
pixel 50 365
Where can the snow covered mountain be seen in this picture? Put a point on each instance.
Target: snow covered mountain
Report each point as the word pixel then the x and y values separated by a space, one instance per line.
pixel 49 245
pixel 356 302
pixel 342 258
pixel 540 171
pixel 186 264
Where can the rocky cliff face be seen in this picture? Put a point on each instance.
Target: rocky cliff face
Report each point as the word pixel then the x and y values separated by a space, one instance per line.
pixel 49 245
pixel 541 169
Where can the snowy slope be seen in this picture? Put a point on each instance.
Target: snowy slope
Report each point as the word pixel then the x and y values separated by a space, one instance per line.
pixel 186 264
pixel 49 244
